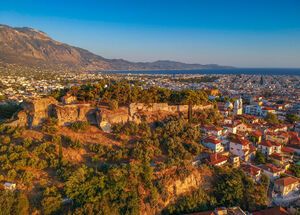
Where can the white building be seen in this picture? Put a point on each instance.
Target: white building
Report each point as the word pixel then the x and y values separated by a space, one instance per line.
pixel 213 130
pixel 241 148
pixel 272 171
pixel 213 144
pixel 266 110
pixel 268 148
pixel 9 186
pixel 231 128
pixel 238 107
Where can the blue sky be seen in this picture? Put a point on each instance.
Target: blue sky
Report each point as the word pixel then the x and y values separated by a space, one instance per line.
pixel 244 33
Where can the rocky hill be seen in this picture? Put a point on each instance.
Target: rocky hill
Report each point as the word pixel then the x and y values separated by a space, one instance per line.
pixel 30 47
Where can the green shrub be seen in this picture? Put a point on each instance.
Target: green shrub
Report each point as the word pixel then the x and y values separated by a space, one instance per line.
pixel 75 144
pixel 79 126
pixel 8 110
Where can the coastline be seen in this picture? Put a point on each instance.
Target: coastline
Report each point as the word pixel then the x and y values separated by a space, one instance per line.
pixel 221 71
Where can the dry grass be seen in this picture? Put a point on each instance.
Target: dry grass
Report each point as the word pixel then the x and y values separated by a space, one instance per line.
pixel 92 135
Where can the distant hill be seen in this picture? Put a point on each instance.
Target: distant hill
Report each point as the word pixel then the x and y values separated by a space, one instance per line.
pixel 30 47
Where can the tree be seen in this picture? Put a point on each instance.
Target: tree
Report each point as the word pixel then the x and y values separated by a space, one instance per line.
pixel 233 187
pixel 60 154
pixel 21 204
pixel 51 203
pixel 259 158
pixel 272 118
pixel 265 181
pixel 292 118
pixel 79 126
pixel 199 200
pixel 7 110
pixel 296 170
pixel 13 203
pixel 229 188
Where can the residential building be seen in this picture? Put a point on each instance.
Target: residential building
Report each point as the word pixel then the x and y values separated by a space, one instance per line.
pixel 213 144
pixel 286 185
pixel 216 159
pixel 238 107
pixel 272 171
pixel 242 127
pixel 266 110
pixel 252 171
pixel 267 147
pixel 256 136
pixel 278 137
pixel 241 147
pixel 9 186
pixel 235 160
pixel 213 130
pixel 231 128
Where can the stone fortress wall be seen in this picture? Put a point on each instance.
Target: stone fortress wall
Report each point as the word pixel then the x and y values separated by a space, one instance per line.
pixel 156 107
pixel 35 111
pixel 66 114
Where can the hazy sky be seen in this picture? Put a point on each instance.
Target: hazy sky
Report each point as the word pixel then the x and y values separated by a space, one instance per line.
pixel 245 33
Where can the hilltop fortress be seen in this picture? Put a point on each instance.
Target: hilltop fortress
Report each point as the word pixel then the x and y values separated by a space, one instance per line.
pixel 34 112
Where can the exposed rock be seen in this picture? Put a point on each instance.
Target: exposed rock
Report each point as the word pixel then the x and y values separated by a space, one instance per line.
pixel 195 179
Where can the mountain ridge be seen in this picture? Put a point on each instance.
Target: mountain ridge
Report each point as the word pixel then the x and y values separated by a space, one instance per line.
pixel 31 47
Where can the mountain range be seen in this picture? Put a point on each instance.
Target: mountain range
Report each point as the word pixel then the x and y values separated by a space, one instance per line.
pixel 31 47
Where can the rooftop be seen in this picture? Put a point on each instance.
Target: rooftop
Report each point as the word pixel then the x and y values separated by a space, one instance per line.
pixel 286 181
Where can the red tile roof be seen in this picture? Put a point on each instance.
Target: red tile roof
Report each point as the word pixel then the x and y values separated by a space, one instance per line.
pixel 287 150
pixel 257 133
pixel 266 143
pixel 212 140
pixel 268 108
pixel 276 156
pixel 240 141
pixel 252 170
pixel 286 181
pixel 271 168
pixel 295 140
pixel 216 158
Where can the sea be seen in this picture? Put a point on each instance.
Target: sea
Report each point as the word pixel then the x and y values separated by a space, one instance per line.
pixel 235 71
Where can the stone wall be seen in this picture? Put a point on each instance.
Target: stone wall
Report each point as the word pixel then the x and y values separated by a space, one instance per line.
pixel 105 117
pixel 38 110
pixel 156 107
pixel 21 119
pixel 114 117
pixel 66 114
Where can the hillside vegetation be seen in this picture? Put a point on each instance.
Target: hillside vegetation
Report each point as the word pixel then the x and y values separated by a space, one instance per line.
pixel 143 168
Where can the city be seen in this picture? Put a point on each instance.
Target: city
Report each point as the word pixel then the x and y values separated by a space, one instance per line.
pixel 150 107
